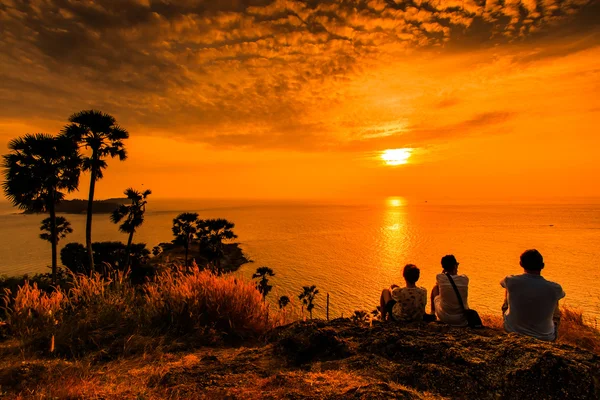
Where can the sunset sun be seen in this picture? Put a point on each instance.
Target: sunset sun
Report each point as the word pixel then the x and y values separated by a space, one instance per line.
pixel 396 156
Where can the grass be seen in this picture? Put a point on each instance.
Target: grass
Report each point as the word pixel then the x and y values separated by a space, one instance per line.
pixel 111 316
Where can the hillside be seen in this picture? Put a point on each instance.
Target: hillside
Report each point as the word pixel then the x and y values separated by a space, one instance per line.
pixel 318 360
pixel 80 206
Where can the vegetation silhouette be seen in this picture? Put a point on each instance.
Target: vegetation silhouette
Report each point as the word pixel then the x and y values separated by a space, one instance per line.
pixel 184 228
pixel 63 228
pixel 308 297
pixel 132 215
pixel 211 234
pixel 98 132
pixel 74 257
pixel 283 302
pixel 38 171
pixel 262 285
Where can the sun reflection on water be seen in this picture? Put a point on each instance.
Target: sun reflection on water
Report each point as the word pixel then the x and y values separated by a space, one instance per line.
pixel 395 201
pixel 394 240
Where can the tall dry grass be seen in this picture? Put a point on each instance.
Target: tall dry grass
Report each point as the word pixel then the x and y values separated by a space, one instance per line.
pixel 109 315
pixel 183 301
pixel 576 330
pixel 32 310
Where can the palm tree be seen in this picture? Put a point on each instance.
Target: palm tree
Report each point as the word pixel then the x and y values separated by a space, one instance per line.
pixel 283 302
pixel 132 214
pixel 184 228
pixel 99 133
pixel 63 228
pixel 263 284
pixel 211 234
pixel 308 296
pixel 39 170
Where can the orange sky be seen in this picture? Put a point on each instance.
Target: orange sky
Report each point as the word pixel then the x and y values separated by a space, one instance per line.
pixel 297 99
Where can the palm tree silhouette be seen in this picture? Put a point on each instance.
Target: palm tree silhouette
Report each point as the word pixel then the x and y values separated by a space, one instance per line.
pixel 63 228
pixel 263 284
pixel 184 228
pixel 132 214
pixel 308 296
pixel 39 169
pixel 99 133
pixel 283 302
pixel 211 234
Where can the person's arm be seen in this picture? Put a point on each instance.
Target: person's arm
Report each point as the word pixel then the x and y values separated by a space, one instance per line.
pixel 505 304
pixel 434 293
pixel 556 320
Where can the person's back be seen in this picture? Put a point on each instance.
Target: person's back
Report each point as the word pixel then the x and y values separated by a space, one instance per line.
pixel 531 301
pixel 447 307
pixel 444 302
pixel 410 303
pixel 405 304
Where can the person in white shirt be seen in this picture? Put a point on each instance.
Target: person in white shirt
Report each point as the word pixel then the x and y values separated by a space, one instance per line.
pixel 531 302
pixel 444 302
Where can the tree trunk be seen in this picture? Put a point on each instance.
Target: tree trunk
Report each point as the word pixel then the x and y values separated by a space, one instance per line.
pixel 129 241
pixel 54 238
pixel 187 245
pixel 88 223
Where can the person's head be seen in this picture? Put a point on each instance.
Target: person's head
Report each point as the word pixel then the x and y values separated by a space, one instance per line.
pixel 449 264
pixel 411 273
pixel 532 260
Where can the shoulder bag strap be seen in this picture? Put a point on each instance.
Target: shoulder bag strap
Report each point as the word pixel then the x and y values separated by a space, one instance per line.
pixel 456 291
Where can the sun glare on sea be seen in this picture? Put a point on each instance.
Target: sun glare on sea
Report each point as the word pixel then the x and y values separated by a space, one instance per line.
pixel 395 201
pixel 396 156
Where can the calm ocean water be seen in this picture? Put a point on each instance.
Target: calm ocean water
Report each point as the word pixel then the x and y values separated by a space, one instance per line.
pixel 353 251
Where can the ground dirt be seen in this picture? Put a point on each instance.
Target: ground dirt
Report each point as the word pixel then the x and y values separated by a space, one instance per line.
pixel 341 359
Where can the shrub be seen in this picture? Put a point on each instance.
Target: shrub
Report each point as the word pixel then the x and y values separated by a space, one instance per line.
pixel 106 313
pixel 181 301
pixel 33 310
pixel 74 257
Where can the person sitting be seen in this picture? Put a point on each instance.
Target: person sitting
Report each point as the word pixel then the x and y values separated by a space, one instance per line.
pixel 444 302
pixel 405 304
pixel 531 302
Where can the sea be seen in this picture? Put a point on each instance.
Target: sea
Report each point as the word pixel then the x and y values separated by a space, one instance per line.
pixel 352 251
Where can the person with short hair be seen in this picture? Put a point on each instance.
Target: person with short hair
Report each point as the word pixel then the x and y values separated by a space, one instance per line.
pixel 444 302
pixel 531 302
pixel 405 304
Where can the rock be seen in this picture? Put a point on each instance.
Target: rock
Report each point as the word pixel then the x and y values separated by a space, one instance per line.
pixel 449 362
pixel 308 342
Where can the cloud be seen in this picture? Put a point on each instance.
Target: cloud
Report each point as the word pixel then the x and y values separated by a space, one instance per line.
pixel 256 73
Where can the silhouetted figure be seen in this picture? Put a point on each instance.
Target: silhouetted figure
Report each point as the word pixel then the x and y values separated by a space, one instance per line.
pixel 531 302
pixel 407 303
pixel 444 302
